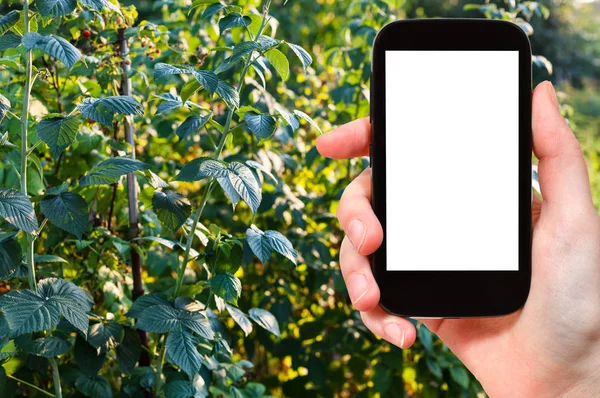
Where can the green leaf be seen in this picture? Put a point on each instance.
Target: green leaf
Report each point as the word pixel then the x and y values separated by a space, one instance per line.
pixel 207 79
pixel 9 40
pixel 58 132
pixel 308 119
pixel 99 5
pixel 242 49
pixel 200 168
pixel 146 302
pixel 93 386
pixel 240 318
pixel 68 211
pixel 181 349
pixel 190 89
pixel 280 62
pixel 291 120
pixel 16 208
pixel 128 352
pixel 109 171
pixel 154 180
pixel 71 301
pixel 49 258
pixel 233 20
pixel 262 126
pixel 266 42
pixel 229 94
pixel 434 368
pixel 263 169
pixel 212 10
pixel 179 389
pixel 245 184
pixel 8 21
pixel 262 243
pixel 105 336
pixel 171 208
pixel 55 8
pixel 103 110
pixel 302 55
pixel 191 125
pixel 425 337
pixel 52 45
pixel 226 286
pixel 162 319
pixel 11 256
pixel 265 319
pixel 460 376
pixel 170 102
pixel 26 311
pixel 198 323
pixel 48 347
pixel 4 106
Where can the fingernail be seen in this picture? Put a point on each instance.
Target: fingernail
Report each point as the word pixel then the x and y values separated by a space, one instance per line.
pixel 552 94
pixel 357 287
pixel 394 333
pixel 356 233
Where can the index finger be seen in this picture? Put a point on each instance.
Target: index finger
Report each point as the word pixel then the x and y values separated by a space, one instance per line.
pixel 348 141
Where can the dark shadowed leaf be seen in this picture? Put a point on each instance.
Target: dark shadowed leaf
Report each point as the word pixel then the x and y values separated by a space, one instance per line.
pixel 191 125
pixel 11 256
pixel 48 347
pixel 460 376
pixel 105 336
pixel 16 208
pixel 212 10
pixel 229 94
pixel 103 110
pixel 226 286
pixel 68 211
pixel 54 46
pixel 146 302
pixel 58 132
pixel 201 168
pixel 265 319
pixel 109 171
pixel 128 352
pixel 8 21
pixel 162 319
pixel 55 8
pixel 233 20
pixel 262 126
pixel 171 208
pixel 181 349
pixel 94 386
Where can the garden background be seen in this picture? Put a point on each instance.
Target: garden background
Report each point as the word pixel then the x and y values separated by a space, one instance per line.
pixel 223 103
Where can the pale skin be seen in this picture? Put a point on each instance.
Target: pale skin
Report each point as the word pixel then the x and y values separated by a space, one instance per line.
pixel 549 348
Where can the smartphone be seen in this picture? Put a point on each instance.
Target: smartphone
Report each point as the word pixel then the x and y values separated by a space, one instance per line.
pixel 451 167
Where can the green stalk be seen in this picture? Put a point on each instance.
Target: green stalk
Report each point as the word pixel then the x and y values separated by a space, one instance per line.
pixel 30 257
pixel 206 197
pixel 24 149
pixel 55 378
pixel 30 385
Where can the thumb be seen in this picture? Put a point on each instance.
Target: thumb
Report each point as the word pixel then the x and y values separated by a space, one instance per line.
pixel 562 171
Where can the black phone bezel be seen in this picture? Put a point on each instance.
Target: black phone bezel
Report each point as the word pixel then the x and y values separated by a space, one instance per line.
pixel 452 294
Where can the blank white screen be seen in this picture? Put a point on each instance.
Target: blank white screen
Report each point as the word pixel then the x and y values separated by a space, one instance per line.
pixel 452 129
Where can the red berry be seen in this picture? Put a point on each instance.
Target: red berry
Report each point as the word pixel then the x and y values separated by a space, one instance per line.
pixel 87 34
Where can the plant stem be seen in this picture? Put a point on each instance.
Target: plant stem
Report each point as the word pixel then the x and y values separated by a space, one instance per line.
pixel 24 150
pixel 190 239
pixel 132 195
pixel 159 367
pixel 24 155
pixel 29 385
pixel 56 378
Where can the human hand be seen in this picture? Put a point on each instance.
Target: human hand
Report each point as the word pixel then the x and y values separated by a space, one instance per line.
pixel 551 347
